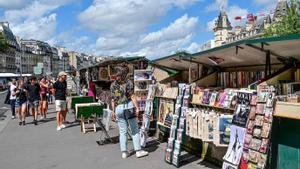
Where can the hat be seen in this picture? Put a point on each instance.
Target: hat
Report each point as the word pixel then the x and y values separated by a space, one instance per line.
pixel 62 73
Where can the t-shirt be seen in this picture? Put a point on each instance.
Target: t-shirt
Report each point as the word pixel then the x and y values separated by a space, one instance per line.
pixel 21 96
pixel 60 90
pixel 121 92
pixel 33 92
pixel 12 90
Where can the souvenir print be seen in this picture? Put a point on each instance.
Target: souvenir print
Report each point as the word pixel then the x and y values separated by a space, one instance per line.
pixel 248 139
pixel 250 126
pixel 255 144
pixel 228 166
pixel 252 166
pixel 264 145
pixel 260 108
pixel 266 130
pixel 253 99
pixel 235 148
pixel 244 159
pixel 268 115
pixel 253 156
pixel 270 99
pixel 213 98
pixel 257 132
pixel 259 120
pixel 168 155
pixel 252 112
pixel 262 160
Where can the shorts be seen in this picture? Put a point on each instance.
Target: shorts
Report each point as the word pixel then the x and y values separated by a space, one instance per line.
pixel 34 103
pixel 21 103
pixel 61 105
pixel 44 97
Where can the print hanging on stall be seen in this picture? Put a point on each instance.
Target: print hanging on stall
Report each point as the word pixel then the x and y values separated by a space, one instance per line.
pixel 242 109
pixel 236 145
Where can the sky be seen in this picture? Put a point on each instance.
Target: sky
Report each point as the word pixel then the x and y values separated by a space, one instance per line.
pixel 151 28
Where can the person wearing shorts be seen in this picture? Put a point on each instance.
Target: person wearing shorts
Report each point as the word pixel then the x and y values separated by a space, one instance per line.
pixel 59 91
pixel 33 98
pixel 21 102
pixel 43 97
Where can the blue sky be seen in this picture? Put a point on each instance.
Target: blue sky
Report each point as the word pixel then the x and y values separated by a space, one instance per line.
pixel 154 28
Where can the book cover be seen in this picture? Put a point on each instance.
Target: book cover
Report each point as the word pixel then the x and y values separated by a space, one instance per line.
pixel 242 110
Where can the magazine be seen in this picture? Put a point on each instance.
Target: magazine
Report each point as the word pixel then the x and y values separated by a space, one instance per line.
pixel 242 110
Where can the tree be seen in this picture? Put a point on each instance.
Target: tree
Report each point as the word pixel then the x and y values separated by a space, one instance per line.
pixel 3 43
pixel 289 24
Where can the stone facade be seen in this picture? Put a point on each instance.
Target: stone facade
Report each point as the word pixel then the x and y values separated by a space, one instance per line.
pixel 252 29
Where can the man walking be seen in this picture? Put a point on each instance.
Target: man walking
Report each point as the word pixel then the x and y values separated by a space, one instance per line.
pixel 59 91
pixel 12 98
pixel 33 97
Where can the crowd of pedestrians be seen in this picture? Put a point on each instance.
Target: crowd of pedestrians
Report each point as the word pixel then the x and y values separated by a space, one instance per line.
pixel 30 97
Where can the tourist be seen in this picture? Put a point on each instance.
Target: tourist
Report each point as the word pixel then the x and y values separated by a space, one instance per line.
pixel 12 98
pixel 59 91
pixel 123 98
pixel 44 85
pixel 21 102
pixel 33 97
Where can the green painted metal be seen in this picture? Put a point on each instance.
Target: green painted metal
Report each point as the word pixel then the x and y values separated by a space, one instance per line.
pixel 251 41
pixel 285 149
pixel 79 99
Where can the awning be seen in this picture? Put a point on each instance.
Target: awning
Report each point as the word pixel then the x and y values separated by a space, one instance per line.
pixel 251 52
pixel 177 61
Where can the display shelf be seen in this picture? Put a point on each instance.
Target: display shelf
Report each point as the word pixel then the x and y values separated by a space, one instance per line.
pixel 205 105
pixel 162 97
pixel 287 110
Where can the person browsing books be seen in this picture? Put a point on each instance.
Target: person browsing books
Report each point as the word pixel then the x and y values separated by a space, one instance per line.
pixel 123 104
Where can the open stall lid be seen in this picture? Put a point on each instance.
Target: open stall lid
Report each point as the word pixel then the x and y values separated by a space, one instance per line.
pixel 251 52
pixel 177 61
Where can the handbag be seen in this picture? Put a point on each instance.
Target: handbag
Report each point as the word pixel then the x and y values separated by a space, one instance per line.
pixel 129 113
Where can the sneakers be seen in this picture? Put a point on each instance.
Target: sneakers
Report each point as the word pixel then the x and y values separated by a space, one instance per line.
pixel 62 126
pixel 35 122
pixel 141 153
pixel 13 117
pixel 23 123
pixel 58 128
pixel 124 155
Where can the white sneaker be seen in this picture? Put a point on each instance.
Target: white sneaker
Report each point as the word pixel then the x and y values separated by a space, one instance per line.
pixel 124 155
pixel 63 126
pixel 42 117
pixel 13 117
pixel 141 153
pixel 58 128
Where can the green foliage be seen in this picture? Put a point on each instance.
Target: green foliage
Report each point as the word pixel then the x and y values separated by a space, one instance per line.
pixel 3 43
pixel 289 24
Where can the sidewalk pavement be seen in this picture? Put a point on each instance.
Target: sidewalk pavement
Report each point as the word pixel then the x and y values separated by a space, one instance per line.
pixel 42 147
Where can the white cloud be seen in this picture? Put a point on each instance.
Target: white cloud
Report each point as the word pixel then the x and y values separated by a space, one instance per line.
pixel 178 29
pixel 34 19
pixel 265 2
pixel 194 47
pixel 217 5
pixel 121 26
pixel 13 4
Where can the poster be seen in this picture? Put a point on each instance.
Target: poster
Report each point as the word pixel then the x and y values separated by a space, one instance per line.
pixel 222 136
pixel 161 115
pixel 236 145
pixel 242 109
pixel 228 166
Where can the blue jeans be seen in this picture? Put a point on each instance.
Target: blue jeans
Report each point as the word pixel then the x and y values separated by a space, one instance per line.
pixel 13 107
pixel 122 122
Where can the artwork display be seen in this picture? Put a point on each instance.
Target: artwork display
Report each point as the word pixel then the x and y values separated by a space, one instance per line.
pixel 236 145
pixel 258 130
pixel 166 112
pixel 103 74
